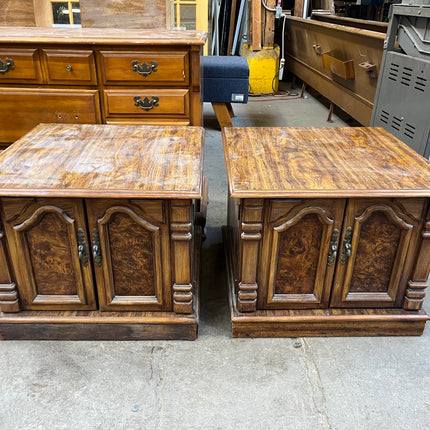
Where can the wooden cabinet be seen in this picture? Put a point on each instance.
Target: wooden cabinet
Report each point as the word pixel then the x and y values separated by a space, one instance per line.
pixel 327 230
pixel 340 59
pixel 91 76
pixel 97 234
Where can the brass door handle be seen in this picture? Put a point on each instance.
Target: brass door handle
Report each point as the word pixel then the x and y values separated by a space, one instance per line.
pixel 332 252
pixel 82 247
pixel 346 247
pixel 6 65
pixel 147 103
pixel 97 253
pixel 144 68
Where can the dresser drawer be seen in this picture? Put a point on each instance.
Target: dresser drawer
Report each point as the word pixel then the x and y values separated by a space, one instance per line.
pixel 22 109
pixel 20 66
pixel 146 103
pixel 70 67
pixel 145 68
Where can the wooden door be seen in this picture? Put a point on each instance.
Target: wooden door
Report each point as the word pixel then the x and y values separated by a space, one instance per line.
pixel 298 258
pixel 376 251
pixel 48 245
pixel 130 248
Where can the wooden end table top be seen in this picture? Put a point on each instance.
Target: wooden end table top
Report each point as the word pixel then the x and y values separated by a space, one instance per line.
pixel 124 161
pixel 322 162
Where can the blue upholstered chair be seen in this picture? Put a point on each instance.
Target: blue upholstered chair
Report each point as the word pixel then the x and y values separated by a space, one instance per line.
pixel 225 81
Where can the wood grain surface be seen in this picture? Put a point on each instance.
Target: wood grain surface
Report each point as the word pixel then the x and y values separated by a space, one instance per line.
pixel 376 253
pixel 323 162
pixel 113 36
pixel 105 161
pixel 120 14
pixel 17 13
pixel 52 233
pixel 299 247
pixel 134 275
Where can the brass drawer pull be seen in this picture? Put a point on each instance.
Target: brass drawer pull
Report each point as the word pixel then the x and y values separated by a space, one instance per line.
pixel 69 68
pixel 346 248
pixel 146 104
pixel 82 247
pixel 6 65
pixel 97 253
pixel 144 69
pixel 332 253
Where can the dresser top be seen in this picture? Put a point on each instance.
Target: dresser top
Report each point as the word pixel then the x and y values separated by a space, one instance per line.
pixel 101 36
pixel 129 161
pixel 322 162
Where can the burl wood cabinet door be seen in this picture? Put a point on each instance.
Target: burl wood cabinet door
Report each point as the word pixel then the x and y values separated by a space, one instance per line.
pixel 48 245
pixel 300 241
pixel 130 250
pixel 376 252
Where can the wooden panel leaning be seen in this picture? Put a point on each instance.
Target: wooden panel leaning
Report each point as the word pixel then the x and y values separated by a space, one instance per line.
pixel 114 201
pixel 328 232
pixel 131 14
pixel 17 13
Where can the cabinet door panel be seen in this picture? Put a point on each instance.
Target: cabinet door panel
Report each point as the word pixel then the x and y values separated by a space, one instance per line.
pixel 300 242
pixel 130 265
pixel 370 273
pixel 44 236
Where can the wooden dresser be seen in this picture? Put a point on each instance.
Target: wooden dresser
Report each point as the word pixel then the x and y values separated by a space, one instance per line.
pixel 98 233
pixel 94 75
pixel 328 232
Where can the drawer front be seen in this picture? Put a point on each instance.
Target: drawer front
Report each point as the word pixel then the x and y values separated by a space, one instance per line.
pixel 20 66
pixel 145 68
pixel 70 67
pixel 21 110
pixel 151 103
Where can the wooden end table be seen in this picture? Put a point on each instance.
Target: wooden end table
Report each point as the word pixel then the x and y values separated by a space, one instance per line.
pixel 98 234
pixel 328 232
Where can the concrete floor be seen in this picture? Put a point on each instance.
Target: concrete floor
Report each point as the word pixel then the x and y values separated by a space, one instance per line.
pixel 217 382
